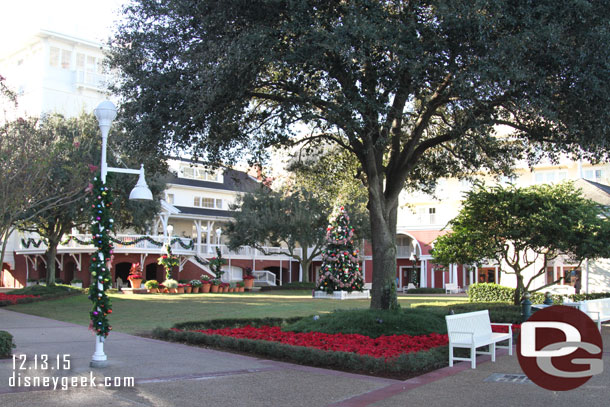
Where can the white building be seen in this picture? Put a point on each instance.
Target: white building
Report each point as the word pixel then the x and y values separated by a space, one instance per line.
pixel 55 73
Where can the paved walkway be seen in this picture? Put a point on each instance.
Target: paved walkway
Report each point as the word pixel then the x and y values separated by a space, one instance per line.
pixel 169 374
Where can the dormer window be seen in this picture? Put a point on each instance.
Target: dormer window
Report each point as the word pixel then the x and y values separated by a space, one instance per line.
pixel 200 174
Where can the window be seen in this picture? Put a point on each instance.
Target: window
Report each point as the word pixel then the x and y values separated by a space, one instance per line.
pixel 594 175
pixel 80 61
pixel 426 215
pixel 206 202
pixel 199 173
pixel 60 58
pixel 170 199
pixel 549 177
pixel 66 57
pixel 432 214
pixel 54 57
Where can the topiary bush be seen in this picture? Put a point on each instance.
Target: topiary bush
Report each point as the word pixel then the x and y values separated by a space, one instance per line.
pixel 6 344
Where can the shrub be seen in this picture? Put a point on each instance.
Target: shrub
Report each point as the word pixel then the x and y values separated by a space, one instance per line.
pixel 590 296
pixel 373 323
pixel 498 311
pixel 150 284
pixel 6 344
pixel 426 290
pixel 170 283
pixel 490 292
pixel 42 292
pixel 291 286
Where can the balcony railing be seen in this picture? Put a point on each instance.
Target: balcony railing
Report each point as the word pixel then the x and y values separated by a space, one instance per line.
pixel 125 243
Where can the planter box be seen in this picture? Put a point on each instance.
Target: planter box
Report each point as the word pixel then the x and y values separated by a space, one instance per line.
pixel 134 290
pixel 342 295
pixel 77 285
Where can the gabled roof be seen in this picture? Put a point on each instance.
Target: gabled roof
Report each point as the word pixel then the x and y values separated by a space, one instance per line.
pixel 595 191
pixel 233 180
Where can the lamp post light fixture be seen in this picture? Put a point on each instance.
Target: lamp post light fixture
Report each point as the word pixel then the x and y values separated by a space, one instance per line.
pixel 105 113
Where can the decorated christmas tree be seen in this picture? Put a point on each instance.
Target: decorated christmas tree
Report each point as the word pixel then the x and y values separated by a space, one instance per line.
pixel 340 269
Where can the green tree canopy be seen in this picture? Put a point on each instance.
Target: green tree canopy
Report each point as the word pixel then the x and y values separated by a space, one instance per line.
pixel 413 89
pixel 75 149
pixel 522 227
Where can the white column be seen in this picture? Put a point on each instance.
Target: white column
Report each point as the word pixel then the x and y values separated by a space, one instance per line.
pixel 208 238
pixel 496 274
pixel 198 227
pixel 423 281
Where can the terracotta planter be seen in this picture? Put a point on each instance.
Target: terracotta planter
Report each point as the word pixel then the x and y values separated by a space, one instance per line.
pixel 205 288
pixel 194 290
pixel 248 283
pixel 214 288
pixel 180 290
pixel 136 282
pixel 241 289
pixel 173 290
pixel 153 290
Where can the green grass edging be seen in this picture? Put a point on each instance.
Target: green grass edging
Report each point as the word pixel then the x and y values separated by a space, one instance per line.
pixel 403 366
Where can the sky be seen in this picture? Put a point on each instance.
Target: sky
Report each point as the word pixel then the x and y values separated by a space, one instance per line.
pixel 86 19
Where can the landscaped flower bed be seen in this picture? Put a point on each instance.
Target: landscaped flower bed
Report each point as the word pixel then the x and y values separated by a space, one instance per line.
pixel 14 298
pixel 386 347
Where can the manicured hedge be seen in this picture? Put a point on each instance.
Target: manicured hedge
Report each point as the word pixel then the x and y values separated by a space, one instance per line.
pixel 6 344
pixel 591 296
pixel 490 292
pixel 426 290
pixel 406 365
pixel 498 311
pixel 290 286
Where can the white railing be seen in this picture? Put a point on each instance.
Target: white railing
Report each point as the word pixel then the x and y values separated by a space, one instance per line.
pixel 154 244
pixel 264 277
pixel 91 80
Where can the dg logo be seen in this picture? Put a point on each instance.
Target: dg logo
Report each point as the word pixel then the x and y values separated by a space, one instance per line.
pixel 560 348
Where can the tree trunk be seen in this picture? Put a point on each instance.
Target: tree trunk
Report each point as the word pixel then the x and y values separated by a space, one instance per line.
pixel 50 255
pixel 383 239
pixel 519 291
pixel 305 263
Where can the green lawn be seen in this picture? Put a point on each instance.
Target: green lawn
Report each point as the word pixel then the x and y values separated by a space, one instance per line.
pixel 141 313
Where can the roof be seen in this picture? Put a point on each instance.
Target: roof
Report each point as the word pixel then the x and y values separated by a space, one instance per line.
pixel 233 180
pixel 204 211
pixel 595 191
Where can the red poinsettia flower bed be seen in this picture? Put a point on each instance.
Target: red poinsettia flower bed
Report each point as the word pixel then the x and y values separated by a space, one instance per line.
pixel 504 328
pixel 13 298
pixel 382 347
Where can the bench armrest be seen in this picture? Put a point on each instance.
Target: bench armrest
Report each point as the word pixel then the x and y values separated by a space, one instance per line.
pixel 593 312
pixel 462 332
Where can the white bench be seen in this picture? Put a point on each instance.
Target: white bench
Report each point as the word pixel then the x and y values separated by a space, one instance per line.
pixel 598 310
pixel 451 288
pixel 472 330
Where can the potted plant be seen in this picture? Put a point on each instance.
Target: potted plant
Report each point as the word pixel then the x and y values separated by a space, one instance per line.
pixel 248 278
pixel 163 289
pixel 76 283
pixel 135 275
pixel 214 286
pixel 181 288
pixel 171 285
pixel 195 285
pixel 152 286
pixel 168 260
pixel 225 288
pixel 240 286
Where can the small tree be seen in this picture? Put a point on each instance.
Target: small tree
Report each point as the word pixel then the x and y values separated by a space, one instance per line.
pixel 295 221
pixel 521 226
pixel 340 269
pixel 216 264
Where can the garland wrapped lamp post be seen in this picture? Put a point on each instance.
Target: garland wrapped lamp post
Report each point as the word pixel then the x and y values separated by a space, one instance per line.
pixel 101 228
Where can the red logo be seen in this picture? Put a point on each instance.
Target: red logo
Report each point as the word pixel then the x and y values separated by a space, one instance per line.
pixel 560 348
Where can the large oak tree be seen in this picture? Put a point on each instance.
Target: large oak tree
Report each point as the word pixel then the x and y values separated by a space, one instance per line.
pixel 413 89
